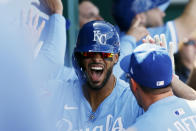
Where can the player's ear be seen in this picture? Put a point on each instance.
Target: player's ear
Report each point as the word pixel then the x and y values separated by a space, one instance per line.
pixel 133 85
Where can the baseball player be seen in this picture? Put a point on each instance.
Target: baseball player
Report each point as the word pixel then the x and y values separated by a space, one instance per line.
pixel 96 99
pixel 51 55
pixel 89 103
pixel 150 68
pixel 54 33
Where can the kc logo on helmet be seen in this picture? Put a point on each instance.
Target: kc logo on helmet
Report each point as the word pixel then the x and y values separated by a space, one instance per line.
pixel 101 38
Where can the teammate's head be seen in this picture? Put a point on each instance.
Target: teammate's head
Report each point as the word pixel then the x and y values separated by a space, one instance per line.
pixel 96 52
pixel 151 12
pixel 150 68
pixel 88 12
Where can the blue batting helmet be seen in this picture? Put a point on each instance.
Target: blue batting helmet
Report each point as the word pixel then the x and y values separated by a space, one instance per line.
pixel 124 11
pixel 98 36
pixel 95 36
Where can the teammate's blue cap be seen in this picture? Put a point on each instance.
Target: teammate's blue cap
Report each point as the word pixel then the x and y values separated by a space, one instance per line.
pixel 124 11
pixel 149 65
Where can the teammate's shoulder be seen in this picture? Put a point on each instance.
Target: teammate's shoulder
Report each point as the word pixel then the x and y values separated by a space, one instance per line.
pixel 123 89
pixel 147 120
pixel 142 124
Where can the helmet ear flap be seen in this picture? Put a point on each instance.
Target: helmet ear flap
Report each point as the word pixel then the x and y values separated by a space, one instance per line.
pixel 78 58
pixel 77 64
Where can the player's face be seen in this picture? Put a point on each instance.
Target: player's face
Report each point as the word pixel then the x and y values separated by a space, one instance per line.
pixel 98 69
pixel 88 12
pixel 154 17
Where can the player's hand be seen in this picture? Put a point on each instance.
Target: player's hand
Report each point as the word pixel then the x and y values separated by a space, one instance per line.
pixel 137 30
pixel 161 41
pixel 156 40
pixel 50 6
pixel 30 26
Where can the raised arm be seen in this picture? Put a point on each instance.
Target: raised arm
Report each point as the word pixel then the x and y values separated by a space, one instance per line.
pixel 137 30
pixel 186 23
pixel 128 44
pixel 135 33
pixel 55 42
pixel 182 90
pixel 192 78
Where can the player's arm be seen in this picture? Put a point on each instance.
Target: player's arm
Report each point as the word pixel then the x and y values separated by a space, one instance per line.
pixel 55 42
pixel 135 33
pixel 182 90
pixel 187 21
pixel 50 60
pixel 191 80
pixel 137 30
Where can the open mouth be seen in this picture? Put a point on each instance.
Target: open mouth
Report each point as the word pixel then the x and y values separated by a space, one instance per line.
pixel 96 72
